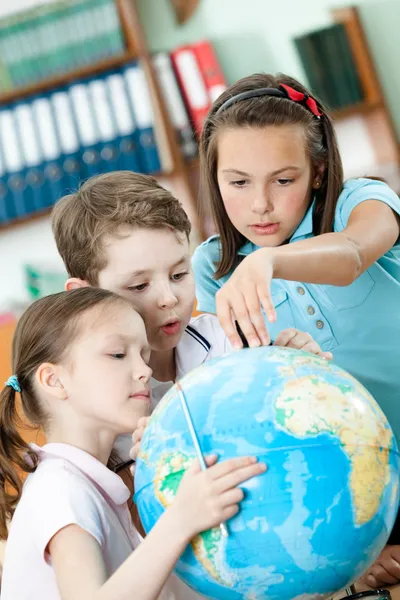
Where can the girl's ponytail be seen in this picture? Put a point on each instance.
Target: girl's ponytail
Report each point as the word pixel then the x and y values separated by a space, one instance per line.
pixel 43 335
pixel 14 461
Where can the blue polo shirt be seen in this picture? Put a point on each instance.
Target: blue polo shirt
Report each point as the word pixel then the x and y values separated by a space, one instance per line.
pixel 359 323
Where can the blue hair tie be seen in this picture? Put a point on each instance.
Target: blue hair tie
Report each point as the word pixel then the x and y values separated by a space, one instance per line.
pixel 13 382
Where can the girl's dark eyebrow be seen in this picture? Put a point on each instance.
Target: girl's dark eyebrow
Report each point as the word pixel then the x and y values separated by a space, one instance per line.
pixel 273 173
pixel 235 171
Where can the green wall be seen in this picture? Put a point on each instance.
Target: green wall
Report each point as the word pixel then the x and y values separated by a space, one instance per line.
pixel 255 35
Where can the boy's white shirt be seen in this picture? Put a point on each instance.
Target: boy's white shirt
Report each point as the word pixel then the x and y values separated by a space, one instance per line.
pixel 202 340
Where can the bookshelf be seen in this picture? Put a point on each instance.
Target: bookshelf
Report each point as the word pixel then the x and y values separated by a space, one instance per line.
pixel 179 176
pixel 46 85
pixel 362 108
pixel 373 110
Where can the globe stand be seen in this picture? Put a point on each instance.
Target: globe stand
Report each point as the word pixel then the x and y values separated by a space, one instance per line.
pixel 370 595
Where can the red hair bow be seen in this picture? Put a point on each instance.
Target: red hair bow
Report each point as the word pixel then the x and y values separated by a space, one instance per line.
pixel 296 96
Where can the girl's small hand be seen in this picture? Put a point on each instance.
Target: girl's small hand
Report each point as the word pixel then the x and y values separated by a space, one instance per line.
pixel 137 438
pixel 241 299
pixel 301 340
pixel 207 498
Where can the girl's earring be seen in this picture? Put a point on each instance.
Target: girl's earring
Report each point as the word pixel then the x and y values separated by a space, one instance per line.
pixel 317 184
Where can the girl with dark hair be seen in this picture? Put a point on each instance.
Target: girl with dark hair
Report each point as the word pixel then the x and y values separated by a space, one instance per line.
pixel 313 251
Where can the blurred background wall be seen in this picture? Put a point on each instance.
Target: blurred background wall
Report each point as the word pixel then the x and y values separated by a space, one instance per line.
pixel 256 35
pixel 248 36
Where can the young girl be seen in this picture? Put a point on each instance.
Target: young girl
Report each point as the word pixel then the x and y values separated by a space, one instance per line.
pixel 314 252
pixel 80 367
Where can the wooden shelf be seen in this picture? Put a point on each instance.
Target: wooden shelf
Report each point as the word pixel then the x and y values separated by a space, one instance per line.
pixel 373 110
pixel 66 78
pixel 193 163
pixel 356 109
pixel 350 18
pixel 36 216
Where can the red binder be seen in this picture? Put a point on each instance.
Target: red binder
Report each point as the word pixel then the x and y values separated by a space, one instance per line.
pixel 210 69
pixel 192 84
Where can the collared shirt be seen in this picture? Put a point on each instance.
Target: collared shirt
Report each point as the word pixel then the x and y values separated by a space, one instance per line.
pixel 359 323
pixel 202 340
pixel 69 487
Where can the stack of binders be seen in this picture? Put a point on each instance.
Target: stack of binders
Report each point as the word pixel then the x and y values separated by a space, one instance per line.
pixel 200 78
pixel 328 62
pixel 50 143
pixel 54 38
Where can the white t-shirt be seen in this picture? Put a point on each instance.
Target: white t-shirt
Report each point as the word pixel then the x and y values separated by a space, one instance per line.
pixel 69 487
pixel 202 340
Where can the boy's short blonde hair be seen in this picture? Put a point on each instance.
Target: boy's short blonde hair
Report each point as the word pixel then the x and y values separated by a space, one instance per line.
pixel 101 206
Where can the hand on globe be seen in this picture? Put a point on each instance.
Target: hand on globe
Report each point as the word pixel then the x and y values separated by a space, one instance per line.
pixel 386 568
pixel 137 438
pixel 301 340
pixel 207 498
pixel 243 296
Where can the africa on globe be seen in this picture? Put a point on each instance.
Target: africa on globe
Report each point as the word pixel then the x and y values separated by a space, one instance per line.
pixel 324 509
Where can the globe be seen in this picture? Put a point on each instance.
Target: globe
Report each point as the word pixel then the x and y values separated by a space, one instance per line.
pixel 322 512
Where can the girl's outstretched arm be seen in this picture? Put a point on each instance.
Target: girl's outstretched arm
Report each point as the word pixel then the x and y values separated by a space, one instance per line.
pixel 331 258
pixel 339 258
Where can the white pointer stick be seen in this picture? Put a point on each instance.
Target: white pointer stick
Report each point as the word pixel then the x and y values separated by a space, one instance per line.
pixel 195 441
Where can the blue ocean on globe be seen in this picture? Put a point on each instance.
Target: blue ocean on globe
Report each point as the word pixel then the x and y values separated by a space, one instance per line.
pixel 324 509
